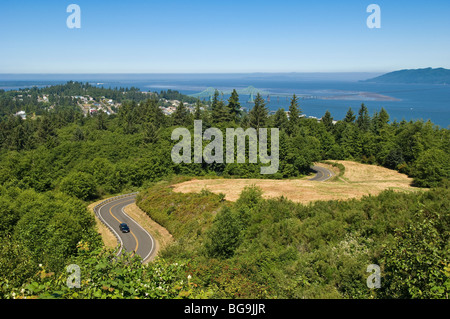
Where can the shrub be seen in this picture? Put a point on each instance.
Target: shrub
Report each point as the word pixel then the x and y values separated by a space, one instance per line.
pixel 80 185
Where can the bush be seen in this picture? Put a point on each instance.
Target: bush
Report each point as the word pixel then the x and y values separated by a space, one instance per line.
pixel 80 185
pixel 431 168
pixel 224 236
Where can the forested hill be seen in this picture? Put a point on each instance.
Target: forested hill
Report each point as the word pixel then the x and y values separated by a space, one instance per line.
pixel 415 76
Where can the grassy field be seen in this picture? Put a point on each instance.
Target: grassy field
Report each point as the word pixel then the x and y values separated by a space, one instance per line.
pixel 355 181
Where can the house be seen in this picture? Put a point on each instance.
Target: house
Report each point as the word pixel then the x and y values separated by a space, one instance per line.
pixel 22 114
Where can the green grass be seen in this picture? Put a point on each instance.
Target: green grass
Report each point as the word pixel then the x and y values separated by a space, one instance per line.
pixel 185 216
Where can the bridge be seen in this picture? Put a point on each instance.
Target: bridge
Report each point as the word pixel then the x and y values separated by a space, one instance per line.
pixel 209 92
pixel 251 92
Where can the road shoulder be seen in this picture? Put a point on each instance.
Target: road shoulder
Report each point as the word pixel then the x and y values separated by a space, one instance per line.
pixel 109 240
pixel 160 234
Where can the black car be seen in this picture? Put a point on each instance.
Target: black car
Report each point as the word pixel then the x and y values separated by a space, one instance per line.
pixel 124 228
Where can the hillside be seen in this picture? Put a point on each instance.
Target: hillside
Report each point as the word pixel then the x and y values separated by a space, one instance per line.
pixel 415 76
pixel 256 247
pixel 357 180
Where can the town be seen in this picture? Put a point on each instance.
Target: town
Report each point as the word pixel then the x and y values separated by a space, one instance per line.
pixel 91 106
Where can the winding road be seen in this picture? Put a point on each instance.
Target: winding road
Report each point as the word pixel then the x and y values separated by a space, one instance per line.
pixel 138 240
pixel 322 175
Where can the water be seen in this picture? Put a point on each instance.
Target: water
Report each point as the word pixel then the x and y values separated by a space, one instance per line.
pixel 332 92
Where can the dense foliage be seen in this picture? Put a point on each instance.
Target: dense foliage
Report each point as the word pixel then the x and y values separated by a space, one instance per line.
pixel 275 248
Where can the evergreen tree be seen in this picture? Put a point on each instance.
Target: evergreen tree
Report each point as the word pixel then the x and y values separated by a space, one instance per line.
pixel 224 236
pixel 101 120
pixel 181 115
pixel 379 121
pixel 327 121
pixel 280 119
pixel 431 168
pixel 198 111
pixel 17 138
pixel 394 158
pixel 221 113
pixel 363 120
pixel 258 114
pixel 234 106
pixel 154 114
pixel 46 132
pixel 294 115
pixel 78 135
pixel 350 116
pixel 127 117
pixel 215 101
pixel 151 133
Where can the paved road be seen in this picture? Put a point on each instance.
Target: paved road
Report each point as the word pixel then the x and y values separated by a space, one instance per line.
pixel 138 240
pixel 322 175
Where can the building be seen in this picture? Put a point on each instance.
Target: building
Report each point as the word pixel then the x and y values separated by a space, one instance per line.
pixel 22 114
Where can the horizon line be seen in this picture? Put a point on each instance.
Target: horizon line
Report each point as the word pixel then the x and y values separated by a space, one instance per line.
pixel 144 73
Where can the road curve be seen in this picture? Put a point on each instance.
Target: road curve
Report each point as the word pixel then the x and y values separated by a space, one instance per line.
pixel 322 174
pixel 138 240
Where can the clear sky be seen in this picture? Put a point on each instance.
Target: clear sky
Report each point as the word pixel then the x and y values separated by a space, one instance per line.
pixel 184 36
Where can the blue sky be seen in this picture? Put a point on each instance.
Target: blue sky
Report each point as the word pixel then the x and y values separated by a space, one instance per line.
pixel 174 36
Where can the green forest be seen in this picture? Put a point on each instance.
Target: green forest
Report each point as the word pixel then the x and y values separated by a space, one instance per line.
pixel 56 162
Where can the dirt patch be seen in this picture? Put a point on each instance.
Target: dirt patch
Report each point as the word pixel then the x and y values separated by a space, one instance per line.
pixel 357 181
pixel 160 234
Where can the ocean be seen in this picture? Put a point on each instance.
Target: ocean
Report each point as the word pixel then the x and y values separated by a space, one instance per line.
pixel 318 92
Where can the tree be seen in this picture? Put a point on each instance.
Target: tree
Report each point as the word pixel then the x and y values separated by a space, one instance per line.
pixel 215 100
pixel 394 158
pixel 80 185
pixel 280 119
pixel 46 132
pixel 327 121
pixel 258 114
pixel 101 120
pixel 380 121
pixel 17 138
pixel 363 120
pixel 294 115
pixel 221 113
pixel 78 135
pixel 224 236
pixel 181 115
pixel 151 133
pixel 198 111
pixel 349 117
pixel 153 113
pixel 126 116
pixel 431 168
pixel 234 106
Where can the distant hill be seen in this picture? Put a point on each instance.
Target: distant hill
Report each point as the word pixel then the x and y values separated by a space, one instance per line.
pixel 415 76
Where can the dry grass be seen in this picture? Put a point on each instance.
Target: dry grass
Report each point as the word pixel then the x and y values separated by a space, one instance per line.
pixel 357 181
